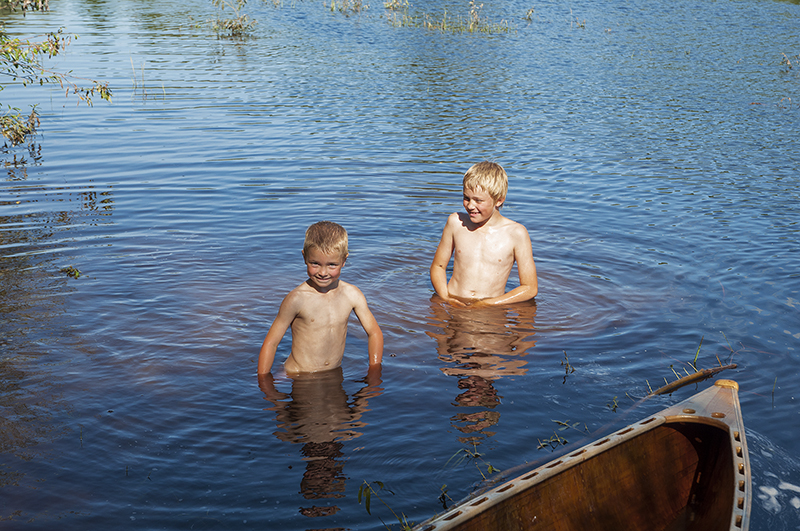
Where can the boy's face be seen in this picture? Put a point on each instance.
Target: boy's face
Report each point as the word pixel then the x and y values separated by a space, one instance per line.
pixel 323 268
pixel 479 205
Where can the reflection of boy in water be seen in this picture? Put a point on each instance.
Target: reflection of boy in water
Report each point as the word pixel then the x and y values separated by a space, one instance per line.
pixel 318 414
pixel 484 245
pixel 481 345
pixel 319 308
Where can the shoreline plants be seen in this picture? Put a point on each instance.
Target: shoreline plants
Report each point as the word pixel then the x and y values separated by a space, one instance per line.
pixel 22 61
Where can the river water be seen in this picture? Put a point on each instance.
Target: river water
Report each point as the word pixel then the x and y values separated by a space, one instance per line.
pixel 652 154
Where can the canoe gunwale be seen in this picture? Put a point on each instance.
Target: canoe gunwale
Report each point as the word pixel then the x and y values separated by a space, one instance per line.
pixel 717 407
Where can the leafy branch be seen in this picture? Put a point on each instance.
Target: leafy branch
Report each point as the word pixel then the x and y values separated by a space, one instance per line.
pixel 22 60
pixel 694 377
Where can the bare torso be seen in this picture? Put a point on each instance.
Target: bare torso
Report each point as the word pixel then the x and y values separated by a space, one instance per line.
pixel 482 257
pixel 319 329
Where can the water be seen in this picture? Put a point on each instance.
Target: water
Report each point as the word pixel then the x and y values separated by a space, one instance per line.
pixel 651 155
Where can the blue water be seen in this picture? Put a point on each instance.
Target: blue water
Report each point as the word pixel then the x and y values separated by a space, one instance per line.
pixel 651 149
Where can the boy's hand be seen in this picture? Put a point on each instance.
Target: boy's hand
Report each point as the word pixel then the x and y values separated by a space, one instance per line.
pixel 457 303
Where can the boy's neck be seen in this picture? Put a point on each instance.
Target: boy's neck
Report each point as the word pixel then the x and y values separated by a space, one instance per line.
pixel 494 219
pixel 323 289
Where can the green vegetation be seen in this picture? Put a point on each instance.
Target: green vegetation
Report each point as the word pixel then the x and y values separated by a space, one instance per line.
pixel 556 440
pixel 22 61
pixel 366 491
pixel 71 271
pixel 475 457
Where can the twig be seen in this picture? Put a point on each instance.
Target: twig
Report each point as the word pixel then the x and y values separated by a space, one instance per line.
pixel 699 376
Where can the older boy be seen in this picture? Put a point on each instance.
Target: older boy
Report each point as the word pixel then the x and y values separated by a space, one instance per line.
pixel 484 245
pixel 318 309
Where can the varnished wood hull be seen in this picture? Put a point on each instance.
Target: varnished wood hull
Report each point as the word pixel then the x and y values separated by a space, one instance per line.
pixel 685 468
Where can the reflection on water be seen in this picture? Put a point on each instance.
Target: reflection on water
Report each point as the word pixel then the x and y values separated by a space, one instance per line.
pixel 35 223
pixel 318 414
pixel 481 345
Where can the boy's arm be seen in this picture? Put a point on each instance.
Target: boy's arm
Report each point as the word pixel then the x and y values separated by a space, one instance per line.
pixel 439 265
pixel 528 282
pixel 286 315
pixel 374 334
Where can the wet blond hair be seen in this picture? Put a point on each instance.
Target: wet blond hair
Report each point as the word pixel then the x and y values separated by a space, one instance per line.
pixel 327 237
pixel 488 176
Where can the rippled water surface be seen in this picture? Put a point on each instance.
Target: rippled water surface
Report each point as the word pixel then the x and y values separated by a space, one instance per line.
pixel 652 154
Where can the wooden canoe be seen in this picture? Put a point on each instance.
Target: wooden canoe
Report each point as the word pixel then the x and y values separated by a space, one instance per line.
pixel 684 468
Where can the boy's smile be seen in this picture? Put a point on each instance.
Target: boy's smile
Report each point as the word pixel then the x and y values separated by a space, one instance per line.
pixel 323 268
pixel 479 205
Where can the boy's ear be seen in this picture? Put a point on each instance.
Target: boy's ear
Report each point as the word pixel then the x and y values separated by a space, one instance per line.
pixel 304 255
pixel 499 203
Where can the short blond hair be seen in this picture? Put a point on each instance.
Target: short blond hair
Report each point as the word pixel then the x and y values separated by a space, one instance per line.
pixel 490 177
pixel 327 237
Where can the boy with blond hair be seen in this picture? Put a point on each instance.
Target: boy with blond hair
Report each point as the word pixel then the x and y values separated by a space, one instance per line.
pixel 484 245
pixel 319 308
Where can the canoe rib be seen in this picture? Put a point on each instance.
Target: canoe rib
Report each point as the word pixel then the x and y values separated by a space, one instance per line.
pixel 685 468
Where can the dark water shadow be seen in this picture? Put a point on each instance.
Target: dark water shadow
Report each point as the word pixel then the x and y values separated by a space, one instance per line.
pixel 318 414
pixel 480 346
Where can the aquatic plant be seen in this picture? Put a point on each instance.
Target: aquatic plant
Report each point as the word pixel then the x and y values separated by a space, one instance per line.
pixel 556 440
pixel 396 5
pixel 237 26
pixel 568 368
pixel 447 23
pixel 477 459
pixel 787 61
pixel 366 491
pixel 553 442
pixel 348 7
pixel 529 15
pixel 578 23
pixel 613 405
pixel 71 271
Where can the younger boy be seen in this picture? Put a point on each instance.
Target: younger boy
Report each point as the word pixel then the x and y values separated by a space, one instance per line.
pixel 318 309
pixel 484 245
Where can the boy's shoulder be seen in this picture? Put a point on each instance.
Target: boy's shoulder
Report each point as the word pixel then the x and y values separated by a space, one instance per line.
pixel 350 290
pixel 460 220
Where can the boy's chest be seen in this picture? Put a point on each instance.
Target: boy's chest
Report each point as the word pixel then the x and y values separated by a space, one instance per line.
pixel 325 313
pixel 495 247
